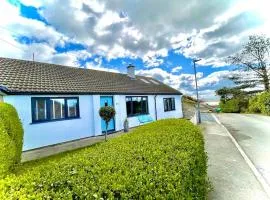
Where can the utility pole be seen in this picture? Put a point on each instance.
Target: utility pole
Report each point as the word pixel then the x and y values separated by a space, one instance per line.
pixel 198 113
pixel 33 57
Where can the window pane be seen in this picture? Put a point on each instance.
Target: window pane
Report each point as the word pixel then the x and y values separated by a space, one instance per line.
pixel 173 104
pixel 144 105
pixel 165 105
pixel 170 104
pixel 137 106
pixel 128 104
pixel 72 105
pixel 57 108
pixel 40 110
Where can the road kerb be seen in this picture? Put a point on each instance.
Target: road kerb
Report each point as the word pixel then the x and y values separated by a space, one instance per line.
pixel 256 173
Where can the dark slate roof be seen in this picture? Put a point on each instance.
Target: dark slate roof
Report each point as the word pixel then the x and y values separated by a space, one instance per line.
pixel 28 77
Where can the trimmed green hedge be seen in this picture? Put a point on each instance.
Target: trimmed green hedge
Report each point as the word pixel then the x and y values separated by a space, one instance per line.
pixel 160 160
pixel 11 138
pixel 8 151
pixel 13 126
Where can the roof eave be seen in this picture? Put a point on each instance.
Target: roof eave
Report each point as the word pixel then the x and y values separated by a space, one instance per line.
pixel 91 93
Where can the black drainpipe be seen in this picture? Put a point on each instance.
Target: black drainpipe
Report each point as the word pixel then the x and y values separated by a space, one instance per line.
pixel 156 107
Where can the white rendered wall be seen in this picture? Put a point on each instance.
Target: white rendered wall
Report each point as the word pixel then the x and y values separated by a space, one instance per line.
pixel 177 113
pixel 89 123
pixel 121 112
pixel 95 113
pixel 48 133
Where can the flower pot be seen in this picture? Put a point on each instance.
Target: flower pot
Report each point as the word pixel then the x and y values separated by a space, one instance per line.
pixel 126 126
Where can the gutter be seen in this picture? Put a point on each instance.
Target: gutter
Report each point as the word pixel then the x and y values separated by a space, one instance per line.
pixel 83 93
pixel 3 90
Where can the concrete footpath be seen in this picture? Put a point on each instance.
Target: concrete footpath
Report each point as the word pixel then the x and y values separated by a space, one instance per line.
pixel 230 175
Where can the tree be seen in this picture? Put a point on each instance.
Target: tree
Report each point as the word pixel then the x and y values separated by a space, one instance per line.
pixel 228 93
pixel 223 93
pixel 253 57
pixel 232 99
pixel 107 113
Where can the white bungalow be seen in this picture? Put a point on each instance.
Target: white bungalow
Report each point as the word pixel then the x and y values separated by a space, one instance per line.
pixel 57 104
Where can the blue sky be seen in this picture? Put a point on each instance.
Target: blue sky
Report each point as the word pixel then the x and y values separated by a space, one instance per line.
pixel 159 38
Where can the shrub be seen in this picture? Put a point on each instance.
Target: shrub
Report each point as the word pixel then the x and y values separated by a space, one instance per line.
pixel 234 105
pixel 264 101
pixel 8 151
pixel 230 106
pixel 260 103
pixel 253 105
pixel 106 113
pixel 11 135
pixel 160 160
pixel 13 127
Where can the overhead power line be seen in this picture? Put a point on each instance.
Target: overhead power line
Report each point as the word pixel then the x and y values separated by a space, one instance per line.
pixel 4 28
pixel 69 53
pixel 10 44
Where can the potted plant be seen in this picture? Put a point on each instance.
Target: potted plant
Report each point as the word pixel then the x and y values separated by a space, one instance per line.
pixel 107 113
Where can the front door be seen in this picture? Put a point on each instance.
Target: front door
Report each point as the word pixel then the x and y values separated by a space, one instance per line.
pixel 107 101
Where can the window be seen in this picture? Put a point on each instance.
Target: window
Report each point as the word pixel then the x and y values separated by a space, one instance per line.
pixel 72 108
pixel 136 106
pixel 144 80
pixel 169 104
pixel 46 109
pixel 40 110
pixel 57 108
pixel 155 82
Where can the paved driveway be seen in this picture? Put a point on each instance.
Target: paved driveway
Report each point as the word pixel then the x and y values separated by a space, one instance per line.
pixel 252 132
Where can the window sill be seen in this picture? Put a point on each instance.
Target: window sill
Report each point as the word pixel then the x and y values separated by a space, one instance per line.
pixel 129 116
pixel 169 110
pixel 56 120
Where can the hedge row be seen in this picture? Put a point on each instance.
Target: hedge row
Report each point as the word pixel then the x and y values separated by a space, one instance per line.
pixel 260 103
pixel 234 105
pixel 11 138
pixel 161 160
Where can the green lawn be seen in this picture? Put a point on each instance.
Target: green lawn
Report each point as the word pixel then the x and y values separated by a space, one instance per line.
pixel 163 159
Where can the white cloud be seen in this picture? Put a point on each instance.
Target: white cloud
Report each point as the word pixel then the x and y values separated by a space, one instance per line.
pixel 177 69
pixel 97 65
pixel 208 95
pixel 95 5
pixel 179 82
pixel 213 78
pixel 133 32
pixel 185 82
pixel 154 58
pixel 125 28
pixel 34 3
pixel 230 30
pixel 118 51
pixel 16 25
pixel 107 19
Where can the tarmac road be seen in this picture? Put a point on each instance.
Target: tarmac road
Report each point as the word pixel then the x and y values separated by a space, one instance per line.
pixel 252 132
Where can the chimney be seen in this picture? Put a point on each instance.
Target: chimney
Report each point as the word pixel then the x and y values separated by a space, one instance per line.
pixel 131 71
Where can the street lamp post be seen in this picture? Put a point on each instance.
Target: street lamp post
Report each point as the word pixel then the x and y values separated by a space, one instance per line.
pixel 198 113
